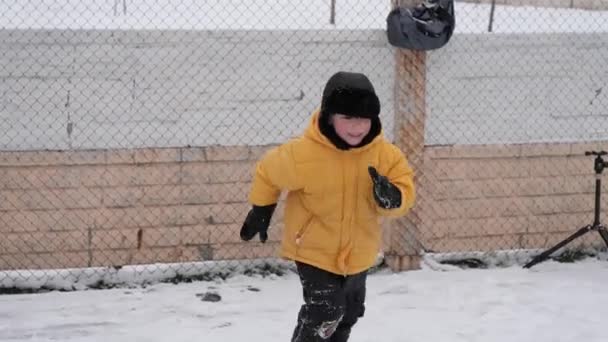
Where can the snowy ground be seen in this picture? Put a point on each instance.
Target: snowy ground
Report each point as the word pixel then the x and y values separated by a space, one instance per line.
pixel 551 302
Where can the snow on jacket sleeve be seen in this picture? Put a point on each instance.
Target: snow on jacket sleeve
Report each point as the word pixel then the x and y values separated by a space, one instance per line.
pixel 276 171
pixel 399 172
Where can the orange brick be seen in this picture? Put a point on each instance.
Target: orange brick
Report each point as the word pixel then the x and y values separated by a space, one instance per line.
pixel 196 173
pixel 217 172
pixel 155 195
pixel 119 156
pixel 478 227
pixel 441 210
pixel 12 262
pixel 196 234
pixel 483 243
pixel 161 237
pixel 558 222
pixel 542 205
pixel 196 253
pixel 39 177
pixel 157 174
pixel 157 255
pixel 579 165
pixel 138 217
pixel 111 257
pixel 48 158
pixel 535 186
pixel 193 154
pixel 40 242
pixel 94 176
pixel 474 151
pixel 45 220
pixel 438 152
pixel 132 175
pixel 547 240
pixel 58 260
pixel 49 199
pixel 575 184
pixel 178 254
pixel 479 208
pixel 447 169
pixel 225 233
pixel 579 149
pixel 226 153
pixel 499 187
pixel 213 213
pixel 114 239
pixel 249 250
pixel 546 166
pixel 156 155
pixel 546 149
pixel 457 189
pixel 257 152
pixel 497 168
pixel 121 196
pixel 216 193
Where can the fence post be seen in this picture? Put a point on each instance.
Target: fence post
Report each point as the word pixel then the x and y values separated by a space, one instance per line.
pixel 410 113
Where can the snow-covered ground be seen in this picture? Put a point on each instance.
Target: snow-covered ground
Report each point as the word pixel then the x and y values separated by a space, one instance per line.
pixel 551 302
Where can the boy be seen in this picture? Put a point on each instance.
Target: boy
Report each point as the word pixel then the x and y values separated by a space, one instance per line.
pixel 341 176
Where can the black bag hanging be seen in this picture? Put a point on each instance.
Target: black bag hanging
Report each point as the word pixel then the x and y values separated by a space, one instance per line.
pixel 426 26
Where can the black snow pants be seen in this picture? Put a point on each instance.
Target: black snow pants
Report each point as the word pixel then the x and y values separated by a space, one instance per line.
pixel 332 304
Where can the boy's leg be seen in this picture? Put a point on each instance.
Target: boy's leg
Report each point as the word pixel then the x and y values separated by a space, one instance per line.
pixel 354 290
pixel 324 304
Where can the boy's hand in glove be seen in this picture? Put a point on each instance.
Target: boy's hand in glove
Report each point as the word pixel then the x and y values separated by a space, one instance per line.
pixel 257 221
pixel 386 194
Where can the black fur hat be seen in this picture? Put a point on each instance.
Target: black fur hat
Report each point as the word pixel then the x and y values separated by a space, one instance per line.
pixel 350 94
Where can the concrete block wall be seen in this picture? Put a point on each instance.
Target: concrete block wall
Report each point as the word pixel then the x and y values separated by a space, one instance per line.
pixel 504 197
pixel 145 206
pixel 118 207
pixel 121 89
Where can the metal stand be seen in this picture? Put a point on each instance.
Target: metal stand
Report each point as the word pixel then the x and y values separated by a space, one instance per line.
pixel 599 166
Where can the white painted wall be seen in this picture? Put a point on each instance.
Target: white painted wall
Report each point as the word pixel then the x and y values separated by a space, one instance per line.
pixel 110 89
pixel 518 88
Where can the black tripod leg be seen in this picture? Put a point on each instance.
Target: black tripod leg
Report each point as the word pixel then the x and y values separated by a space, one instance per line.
pixel 544 255
pixel 604 233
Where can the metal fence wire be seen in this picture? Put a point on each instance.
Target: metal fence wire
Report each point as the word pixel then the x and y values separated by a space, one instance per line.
pixel 130 128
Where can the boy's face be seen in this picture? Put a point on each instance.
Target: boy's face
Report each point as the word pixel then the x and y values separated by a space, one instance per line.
pixel 351 129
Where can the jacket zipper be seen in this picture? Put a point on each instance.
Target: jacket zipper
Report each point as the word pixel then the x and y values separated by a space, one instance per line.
pixel 300 233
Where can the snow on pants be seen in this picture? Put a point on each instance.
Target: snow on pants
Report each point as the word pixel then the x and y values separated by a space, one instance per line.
pixel 332 305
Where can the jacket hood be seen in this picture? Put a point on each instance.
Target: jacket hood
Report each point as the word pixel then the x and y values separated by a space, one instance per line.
pixel 319 123
pixel 350 94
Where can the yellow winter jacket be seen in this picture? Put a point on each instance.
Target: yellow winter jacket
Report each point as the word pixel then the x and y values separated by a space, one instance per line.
pixel 331 218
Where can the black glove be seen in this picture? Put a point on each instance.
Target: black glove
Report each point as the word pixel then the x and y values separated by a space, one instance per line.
pixel 257 221
pixel 386 194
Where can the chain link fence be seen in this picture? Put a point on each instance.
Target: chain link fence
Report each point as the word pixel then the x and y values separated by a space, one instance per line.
pixel 131 128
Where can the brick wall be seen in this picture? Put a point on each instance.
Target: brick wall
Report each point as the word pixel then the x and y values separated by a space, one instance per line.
pixel 104 208
pixel 502 197
pixel 117 207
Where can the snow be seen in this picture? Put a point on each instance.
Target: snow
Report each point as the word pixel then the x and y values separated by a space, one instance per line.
pixel 551 302
pixel 277 15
